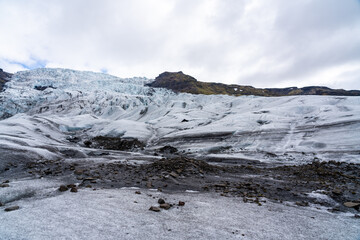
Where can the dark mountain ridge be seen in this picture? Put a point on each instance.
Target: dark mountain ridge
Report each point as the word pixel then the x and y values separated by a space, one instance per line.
pixel 180 82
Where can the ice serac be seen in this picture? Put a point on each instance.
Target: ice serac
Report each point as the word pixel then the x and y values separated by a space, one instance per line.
pixel 4 77
pixel 43 109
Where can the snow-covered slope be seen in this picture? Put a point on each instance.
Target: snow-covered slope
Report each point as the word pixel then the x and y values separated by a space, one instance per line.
pixel 49 105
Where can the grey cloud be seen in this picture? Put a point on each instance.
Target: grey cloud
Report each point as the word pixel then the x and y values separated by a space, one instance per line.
pixel 261 43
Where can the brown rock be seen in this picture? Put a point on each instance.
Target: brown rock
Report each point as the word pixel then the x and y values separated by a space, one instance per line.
pixel 89 179
pixel 155 209
pixel 161 201
pixel 4 185
pixel 352 204
pixel 13 208
pixel 220 185
pixel 165 206
pixel 79 171
pixel 73 189
pixel 137 192
pixel 63 188
pixel 174 175
pixel 302 204
pixel 181 203
pixel 337 191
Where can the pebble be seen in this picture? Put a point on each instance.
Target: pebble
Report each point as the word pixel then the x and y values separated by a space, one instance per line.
pixel 174 175
pixel 165 206
pixel 63 188
pixel 352 204
pixel 181 203
pixel 302 204
pixel 79 172
pixel 161 201
pixel 337 191
pixel 4 185
pixel 155 209
pixel 73 189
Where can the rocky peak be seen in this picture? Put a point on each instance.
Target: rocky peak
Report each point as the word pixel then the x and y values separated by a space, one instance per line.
pixel 180 82
pixel 166 78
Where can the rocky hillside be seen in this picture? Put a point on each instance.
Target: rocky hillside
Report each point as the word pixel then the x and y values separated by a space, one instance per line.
pixel 180 82
pixel 4 77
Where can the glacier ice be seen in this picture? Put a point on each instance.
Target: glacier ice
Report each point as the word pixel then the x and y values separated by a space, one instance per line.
pixel 293 129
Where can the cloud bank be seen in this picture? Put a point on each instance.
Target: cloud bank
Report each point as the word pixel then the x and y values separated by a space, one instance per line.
pixel 275 43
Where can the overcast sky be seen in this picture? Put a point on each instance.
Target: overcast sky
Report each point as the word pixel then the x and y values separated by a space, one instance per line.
pixel 267 43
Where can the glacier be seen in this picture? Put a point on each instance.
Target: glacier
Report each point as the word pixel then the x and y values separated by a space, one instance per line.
pixel 220 128
pixel 47 115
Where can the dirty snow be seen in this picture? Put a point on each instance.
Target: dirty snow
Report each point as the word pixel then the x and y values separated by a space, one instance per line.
pixel 122 214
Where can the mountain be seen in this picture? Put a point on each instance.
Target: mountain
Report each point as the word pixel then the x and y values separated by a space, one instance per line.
pixel 4 77
pixel 180 82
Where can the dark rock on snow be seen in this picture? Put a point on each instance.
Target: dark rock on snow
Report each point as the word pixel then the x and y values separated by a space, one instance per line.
pixel 13 208
pixel 63 188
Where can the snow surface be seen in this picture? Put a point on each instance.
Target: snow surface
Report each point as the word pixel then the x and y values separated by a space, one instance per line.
pixel 122 214
pixel 297 129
